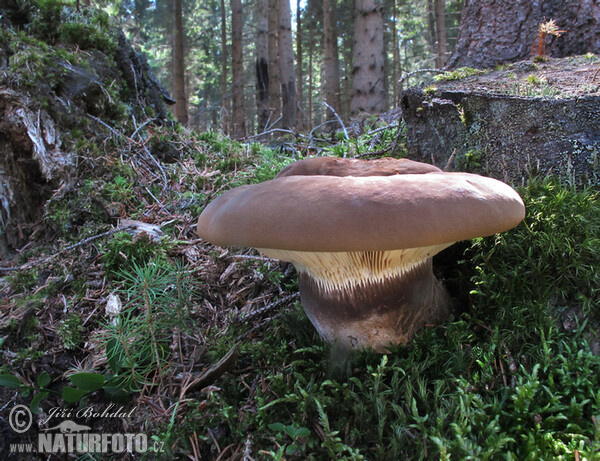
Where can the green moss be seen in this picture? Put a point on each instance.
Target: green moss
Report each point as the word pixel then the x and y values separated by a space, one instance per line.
pixel 458 74
pixel 23 280
pixel 70 331
pixel 78 209
pixel 124 252
pixel 471 161
pixel 431 90
pixel 86 36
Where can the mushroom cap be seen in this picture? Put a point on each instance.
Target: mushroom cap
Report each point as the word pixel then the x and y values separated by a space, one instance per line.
pixel 372 213
pixel 335 166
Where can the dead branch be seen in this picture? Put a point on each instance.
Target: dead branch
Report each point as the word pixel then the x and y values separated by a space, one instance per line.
pixel 338 119
pixel 68 248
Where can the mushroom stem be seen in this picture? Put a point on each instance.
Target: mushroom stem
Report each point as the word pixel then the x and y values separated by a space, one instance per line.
pixel 369 298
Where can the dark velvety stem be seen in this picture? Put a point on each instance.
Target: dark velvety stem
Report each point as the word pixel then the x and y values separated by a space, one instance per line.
pixel 376 314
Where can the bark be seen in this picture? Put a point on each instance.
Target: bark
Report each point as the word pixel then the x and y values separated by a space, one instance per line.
pixel 395 56
pixel 440 33
pixel 494 32
pixel 274 71
pixel 475 125
pixel 179 93
pixel 224 92
pixel 32 165
pixel 299 60
pixel 368 90
pixel 237 65
pixel 331 64
pixel 431 25
pixel 309 103
pixel 262 63
pixel 286 64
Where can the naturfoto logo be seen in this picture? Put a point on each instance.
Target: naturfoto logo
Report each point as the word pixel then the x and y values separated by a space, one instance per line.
pixel 69 436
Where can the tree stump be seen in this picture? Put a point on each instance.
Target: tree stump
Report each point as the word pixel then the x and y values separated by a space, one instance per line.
pixel 509 124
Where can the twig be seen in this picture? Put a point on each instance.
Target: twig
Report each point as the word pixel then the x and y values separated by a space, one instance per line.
pixel 450 160
pixel 256 258
pixel 68 248
pixel 383 128
pixel 271 131
pixel 160 168
pixel 268 127
pixel 106 125
pixel 319 126
pixel 257 312
pixel 214 371
pixel 398 134
pixel 338 119
pixel 141 126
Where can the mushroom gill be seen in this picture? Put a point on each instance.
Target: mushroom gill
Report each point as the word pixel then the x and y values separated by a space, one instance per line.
pixel 368 298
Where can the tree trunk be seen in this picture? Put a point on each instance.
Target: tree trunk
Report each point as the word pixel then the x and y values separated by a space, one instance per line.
pixel 224 99
pixel 368 91
pixel 440 33
pixel 299 74
pixel 286 64
pixel 262 63
pixel 237 65
pixel 431 25
pixel 179 93
pixel 494 32
pixel 274 71
pixel 331 64
pixel 309 103
pixel 395 55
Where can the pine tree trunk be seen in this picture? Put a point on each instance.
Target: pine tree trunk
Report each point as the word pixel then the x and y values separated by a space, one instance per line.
pixel 179 94
pixel 330 63
pixel 286 64
pixel 309 104
pixel 395 55
pixel 493 32
pixel 274 71
pixel 224 99
pixel 262 63
pixel 368 91
pixel 431 38
pixel 237 65
pixel 299 74
pixel 440 33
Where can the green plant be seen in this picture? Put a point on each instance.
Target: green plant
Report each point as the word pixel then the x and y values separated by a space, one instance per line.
pixel 41 391
pixel 545 30
pixel 430 90
pixel 124 252
pixel 23 280
pixel 120 189
pixel 297 434
pixel 471 161
pixel 138 343
pixel 70 331
pixel 458 74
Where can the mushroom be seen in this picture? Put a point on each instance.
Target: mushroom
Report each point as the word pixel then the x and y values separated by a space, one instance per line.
pixel 362 235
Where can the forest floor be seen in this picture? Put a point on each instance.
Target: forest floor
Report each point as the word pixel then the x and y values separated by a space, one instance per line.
pixel 112 304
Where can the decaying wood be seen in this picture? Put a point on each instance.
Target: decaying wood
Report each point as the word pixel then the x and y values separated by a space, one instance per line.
pixel 528 119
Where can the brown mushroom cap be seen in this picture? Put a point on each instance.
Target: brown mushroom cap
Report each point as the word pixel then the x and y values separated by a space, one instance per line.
pixel 335 166
pixel 374 213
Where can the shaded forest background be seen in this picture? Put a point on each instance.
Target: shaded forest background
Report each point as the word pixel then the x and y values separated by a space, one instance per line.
pixel 214 55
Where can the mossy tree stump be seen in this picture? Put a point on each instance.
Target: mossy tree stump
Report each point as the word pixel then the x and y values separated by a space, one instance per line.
pixel 525 118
